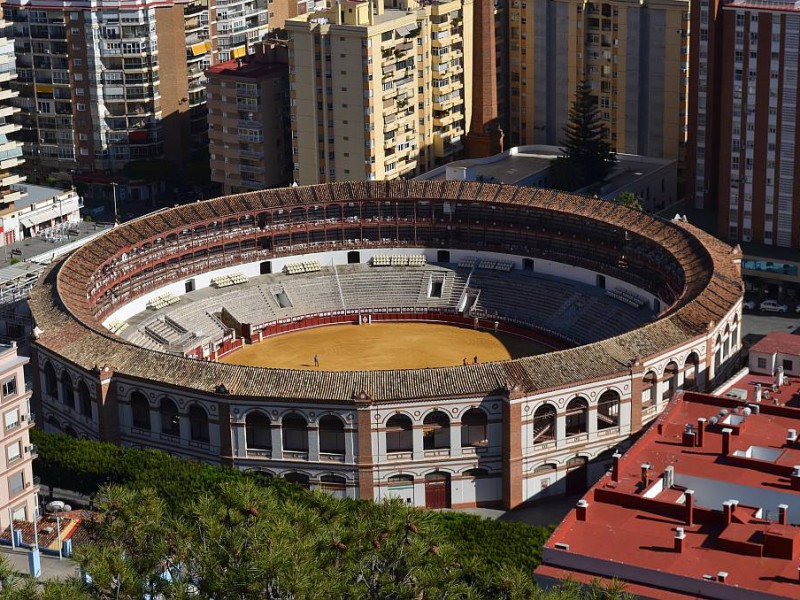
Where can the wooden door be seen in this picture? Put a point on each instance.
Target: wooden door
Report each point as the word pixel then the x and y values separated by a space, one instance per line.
pixel 437 490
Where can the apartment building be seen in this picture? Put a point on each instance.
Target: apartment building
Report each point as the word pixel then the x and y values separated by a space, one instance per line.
pixel 18 488
pixel 634 54
pixel 747 154
pixel 248 119
pixel 101 86
pixel 199 54
pixel 10 150
pixel 379 92
pixel 235 25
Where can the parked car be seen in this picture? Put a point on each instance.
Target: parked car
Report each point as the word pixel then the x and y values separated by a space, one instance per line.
pixel 773 306
pixel 749 305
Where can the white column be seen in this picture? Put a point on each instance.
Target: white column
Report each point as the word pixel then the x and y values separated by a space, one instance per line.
pixel 239 441
pixel 214 431
pixel 455 438
pixel 419 453
pixel 313 443
pixel 349 445
pixel 591 421
pixel 183 422
pixel 155 421
pixel 277 441
pixel 561 430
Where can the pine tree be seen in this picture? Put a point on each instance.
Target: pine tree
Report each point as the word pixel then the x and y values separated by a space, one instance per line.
pixel 588 157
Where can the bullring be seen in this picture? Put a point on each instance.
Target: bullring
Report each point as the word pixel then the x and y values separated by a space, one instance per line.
pixel 493 433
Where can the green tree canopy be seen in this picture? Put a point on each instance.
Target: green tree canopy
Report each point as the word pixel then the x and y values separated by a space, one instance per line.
pixel 588 157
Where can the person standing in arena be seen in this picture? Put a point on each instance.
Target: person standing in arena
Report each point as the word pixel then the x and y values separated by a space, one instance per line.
pixel 316 360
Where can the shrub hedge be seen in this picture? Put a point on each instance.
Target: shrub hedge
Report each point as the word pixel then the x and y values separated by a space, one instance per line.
pixel 84 466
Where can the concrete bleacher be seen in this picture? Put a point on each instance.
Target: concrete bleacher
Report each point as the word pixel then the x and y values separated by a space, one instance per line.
pixel 578 311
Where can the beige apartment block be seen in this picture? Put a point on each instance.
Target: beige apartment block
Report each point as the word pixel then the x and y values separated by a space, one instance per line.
pixel 634 54
pixel 18 489
pixel 379 92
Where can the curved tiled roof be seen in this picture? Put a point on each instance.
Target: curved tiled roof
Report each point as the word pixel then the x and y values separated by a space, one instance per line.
pixel 60 303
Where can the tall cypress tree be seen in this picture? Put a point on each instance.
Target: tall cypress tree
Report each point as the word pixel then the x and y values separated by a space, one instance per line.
pixel 588 157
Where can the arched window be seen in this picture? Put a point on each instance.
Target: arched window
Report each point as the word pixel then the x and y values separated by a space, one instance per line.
pixel 399 436
pixel 726 342
pixel 258 432
pixel 67 391
pixel 474 429
pixel 170 419
pixel 717 354
pixel 577 416
pixel 544 424
pixel 608 410
pixel 50 380
pixel 295 433
pixel 690 369
pixel 331 435
pixel 198 424
pixel 435 431
pixel 671 377
pixel 649 389
pixel 85 399
pixel 140 410
pixel 298 478
pixel 335 485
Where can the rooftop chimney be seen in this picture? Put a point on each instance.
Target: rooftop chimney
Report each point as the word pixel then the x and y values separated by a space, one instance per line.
pixel 758 392
pixel 722 576
pixel 727 512
pixel 615 466
pixel 582 510
pixel 688 439
pixel 796 477
pixel 680 539
pixel 782 508
pixel 688 503
pixel 791 437
pixel 726 441
pixel 645 475
pixel 701 432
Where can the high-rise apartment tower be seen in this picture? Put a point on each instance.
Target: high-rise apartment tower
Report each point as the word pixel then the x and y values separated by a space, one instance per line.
pixel 379 92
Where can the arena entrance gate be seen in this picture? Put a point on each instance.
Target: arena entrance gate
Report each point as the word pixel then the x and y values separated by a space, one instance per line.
pixel 437 490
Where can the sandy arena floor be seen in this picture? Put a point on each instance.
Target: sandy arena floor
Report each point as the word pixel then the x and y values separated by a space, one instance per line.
pixel 382 346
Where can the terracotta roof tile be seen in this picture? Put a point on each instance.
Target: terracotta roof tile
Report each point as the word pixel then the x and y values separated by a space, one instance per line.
pixel 59 303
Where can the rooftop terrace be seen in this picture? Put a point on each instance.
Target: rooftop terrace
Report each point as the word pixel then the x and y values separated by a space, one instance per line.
pixel 706 503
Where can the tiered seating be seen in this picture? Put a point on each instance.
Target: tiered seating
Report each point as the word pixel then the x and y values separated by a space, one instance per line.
pixel 399 260
pixel 627 297
pixel 228 280
pixel 468 262
pixel 163 301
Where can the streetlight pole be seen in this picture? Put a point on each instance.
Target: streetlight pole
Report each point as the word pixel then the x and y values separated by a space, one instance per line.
pixel 114 196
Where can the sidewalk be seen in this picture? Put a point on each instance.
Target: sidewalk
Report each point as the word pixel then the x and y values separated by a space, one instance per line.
pixel 52 568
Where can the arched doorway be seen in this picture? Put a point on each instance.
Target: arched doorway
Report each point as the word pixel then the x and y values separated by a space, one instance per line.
pixel 401 486
pixel 437 490
pixel 671 379
pixel 399 434
pixel 544 424
pixel 649 390
pixel 690 369
pixel 577 473
pixel 577 417
pixel 300 479
pixel 608 410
